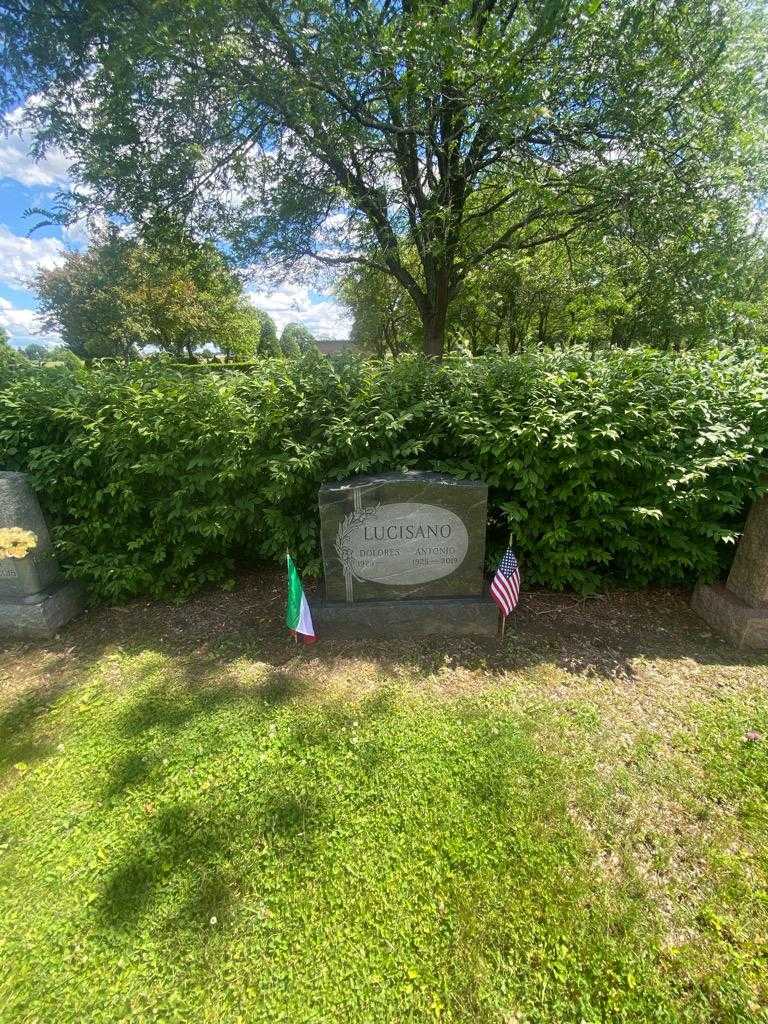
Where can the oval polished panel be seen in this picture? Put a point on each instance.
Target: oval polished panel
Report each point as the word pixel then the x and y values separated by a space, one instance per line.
pixel 402 544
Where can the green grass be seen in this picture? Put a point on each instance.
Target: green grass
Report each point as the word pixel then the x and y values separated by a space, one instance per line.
pixel 215 839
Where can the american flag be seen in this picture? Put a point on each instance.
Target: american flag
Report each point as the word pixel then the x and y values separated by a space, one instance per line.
pixel 505 586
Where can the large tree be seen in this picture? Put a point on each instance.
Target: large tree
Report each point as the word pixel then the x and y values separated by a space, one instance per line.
pixel 164 290
pixel 359 131
pixel 269 345
pixel 296 338
pixel 385 320
pixel 35 352
pixel 596 289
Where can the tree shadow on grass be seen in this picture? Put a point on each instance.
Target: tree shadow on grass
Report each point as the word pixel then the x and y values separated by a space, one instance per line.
pixel 291 824
pixel 209 901
pixel 190 851
pixel 128 771
pixel 170 707
pixel 186 873
pixel 178 838
pixel 184 865
pixel 20 730
pixel 188 856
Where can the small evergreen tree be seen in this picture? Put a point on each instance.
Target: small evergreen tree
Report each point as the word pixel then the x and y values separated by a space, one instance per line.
pixel 268 344
pixel 295 339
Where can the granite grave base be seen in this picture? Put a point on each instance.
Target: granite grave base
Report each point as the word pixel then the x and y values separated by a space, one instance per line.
pixel 738 609
pixel 40 616
pixel 437 616
pixel 739 622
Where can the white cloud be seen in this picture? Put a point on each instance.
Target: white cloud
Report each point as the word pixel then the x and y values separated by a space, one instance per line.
pixel 23 325
pixel 78 233
pixel 21 257
pixel 17 162
pixel 292 303
pixel 757 221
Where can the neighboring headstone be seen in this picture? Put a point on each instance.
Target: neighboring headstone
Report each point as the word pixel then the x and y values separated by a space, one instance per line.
pixel 739 608
pixel 748 578
pixel 404 551
pixel 34 600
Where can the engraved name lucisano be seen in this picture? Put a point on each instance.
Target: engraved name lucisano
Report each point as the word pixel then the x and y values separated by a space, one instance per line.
pixel 402 544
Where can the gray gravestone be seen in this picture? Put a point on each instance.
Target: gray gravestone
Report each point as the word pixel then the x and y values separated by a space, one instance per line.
pixel 739 608
pixel 404 551
pixel 34 600
pixel 748 578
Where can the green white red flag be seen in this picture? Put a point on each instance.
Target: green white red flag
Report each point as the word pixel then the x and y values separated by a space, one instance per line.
pixel 298 617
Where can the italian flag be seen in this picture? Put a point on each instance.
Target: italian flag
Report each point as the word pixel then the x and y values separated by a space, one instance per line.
pixel 298 617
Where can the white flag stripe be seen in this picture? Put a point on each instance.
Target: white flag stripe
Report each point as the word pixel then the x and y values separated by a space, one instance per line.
pixel 501 588
pixel 502 584
pixel 305 626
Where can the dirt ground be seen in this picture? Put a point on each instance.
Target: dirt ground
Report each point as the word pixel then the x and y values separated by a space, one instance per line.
pixel 634 638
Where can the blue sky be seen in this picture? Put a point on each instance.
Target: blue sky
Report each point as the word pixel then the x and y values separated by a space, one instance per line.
pixel 25 184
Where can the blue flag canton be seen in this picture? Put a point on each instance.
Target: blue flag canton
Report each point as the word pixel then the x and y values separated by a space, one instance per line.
pixel 508 563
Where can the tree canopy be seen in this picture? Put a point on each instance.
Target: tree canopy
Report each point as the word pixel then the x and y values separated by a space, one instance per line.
pixel 704 286
pixel 35 352
pixel 390 135
pixel 269 343
pixel 296 338
pixel 9 356
pixel 164 290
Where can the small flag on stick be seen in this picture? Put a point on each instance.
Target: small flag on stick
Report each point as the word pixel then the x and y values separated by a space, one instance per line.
pixel 298 617
pixel 505 586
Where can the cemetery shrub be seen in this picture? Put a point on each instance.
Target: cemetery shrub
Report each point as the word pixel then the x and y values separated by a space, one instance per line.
pixel 621 468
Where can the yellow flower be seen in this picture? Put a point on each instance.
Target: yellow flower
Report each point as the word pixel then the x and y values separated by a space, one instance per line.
pixel 16 543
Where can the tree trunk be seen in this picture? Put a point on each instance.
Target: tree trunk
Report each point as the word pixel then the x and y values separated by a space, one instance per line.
pixel 511 338
pixel 434 338
pixel 542 332
pixel 434 321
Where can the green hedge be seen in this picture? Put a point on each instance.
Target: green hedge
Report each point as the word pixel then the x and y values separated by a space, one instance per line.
pixel 627 467
pixel 213 367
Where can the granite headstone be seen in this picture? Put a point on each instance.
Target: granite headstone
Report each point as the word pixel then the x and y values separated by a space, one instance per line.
pixel 405 551
pixel 34 600
pixel 739 608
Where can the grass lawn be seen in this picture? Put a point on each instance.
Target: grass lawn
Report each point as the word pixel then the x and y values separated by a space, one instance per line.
pixel 201 822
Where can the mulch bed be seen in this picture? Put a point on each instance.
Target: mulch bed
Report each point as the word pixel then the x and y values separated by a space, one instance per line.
pixel 600 635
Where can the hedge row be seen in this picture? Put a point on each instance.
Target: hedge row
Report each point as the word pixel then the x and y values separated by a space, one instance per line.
pixel 620 468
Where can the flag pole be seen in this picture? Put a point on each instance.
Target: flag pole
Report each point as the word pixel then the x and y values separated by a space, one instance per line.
pixel 295 634
pixel 502 617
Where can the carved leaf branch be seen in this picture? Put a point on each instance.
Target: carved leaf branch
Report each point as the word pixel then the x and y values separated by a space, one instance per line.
pixel 347 527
